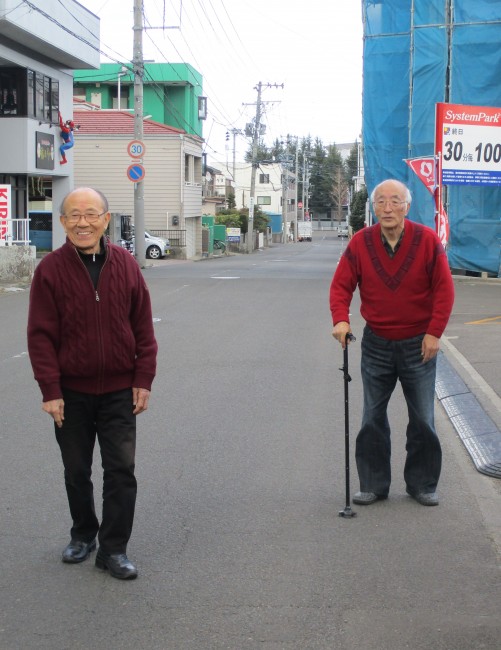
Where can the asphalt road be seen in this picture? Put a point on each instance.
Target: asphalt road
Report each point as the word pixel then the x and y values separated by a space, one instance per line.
pixel 241 476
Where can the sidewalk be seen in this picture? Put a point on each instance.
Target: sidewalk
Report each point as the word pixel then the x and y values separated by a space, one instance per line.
pixel 468 381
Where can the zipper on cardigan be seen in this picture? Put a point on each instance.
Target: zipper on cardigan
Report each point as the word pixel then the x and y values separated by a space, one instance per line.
pixel 97 297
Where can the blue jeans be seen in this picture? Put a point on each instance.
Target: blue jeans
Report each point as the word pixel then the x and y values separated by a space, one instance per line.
pixel 383 362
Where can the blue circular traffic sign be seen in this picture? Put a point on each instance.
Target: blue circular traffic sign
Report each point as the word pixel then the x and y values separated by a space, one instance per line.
pixel 135 172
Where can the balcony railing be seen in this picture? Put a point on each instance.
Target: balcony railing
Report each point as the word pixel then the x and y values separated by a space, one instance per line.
pixel 14 231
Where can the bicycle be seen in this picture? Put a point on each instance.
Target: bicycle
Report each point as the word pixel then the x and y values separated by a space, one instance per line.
pixel 220 245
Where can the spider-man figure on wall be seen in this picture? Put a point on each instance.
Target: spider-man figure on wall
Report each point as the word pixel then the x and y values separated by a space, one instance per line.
pixel 67 129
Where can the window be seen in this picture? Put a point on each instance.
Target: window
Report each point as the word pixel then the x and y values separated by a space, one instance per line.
pixel 264 179
pixel 197 169
pixel 264 200
pixel 39 96
pixel 28 93
pixel 54 101
pixel 11 91
pixel 202 108
pixel 192 170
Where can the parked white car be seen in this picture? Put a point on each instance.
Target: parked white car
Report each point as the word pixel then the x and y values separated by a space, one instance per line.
pixel 156 247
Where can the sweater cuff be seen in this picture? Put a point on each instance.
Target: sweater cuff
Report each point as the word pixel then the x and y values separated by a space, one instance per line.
pixel 338 317
pixel 51 391
pixel 143 380
pixel 435 331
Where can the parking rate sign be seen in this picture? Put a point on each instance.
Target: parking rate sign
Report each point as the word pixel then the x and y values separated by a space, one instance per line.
pixel 468 139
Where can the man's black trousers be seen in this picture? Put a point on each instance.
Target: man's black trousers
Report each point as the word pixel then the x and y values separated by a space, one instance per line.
pixel 109 418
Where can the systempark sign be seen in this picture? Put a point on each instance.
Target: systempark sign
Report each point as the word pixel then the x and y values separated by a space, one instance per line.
pixel 468 144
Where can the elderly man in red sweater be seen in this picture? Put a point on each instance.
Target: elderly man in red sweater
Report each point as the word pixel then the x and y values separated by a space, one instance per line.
pixel 93 351
pixel 407 294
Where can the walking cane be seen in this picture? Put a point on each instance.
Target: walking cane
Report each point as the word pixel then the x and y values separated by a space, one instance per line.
pixel 347 512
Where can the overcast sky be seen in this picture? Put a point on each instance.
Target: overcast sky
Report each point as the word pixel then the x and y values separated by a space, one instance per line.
pixel 313 47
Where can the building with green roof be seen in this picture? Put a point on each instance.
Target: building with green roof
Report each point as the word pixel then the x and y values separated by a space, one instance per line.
pixel 172 92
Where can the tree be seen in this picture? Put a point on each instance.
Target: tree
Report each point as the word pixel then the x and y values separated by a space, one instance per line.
pixel 357 208
pixel 352 163
pixel 328 183
pixel 232 218
pixel 339 192
pixel 231 200
pixel 261 220
pixel 229 218
pixel 320 180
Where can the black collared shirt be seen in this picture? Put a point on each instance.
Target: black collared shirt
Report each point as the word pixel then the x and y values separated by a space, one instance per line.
pixel 94 263
pixel 391 251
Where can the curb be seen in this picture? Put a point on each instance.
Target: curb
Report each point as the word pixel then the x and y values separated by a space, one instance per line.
pixel 478 432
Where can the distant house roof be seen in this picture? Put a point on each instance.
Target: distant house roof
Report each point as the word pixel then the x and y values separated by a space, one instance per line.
pixel 114 122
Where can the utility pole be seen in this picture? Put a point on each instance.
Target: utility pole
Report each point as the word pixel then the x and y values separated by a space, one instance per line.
pixel 255 141
pixel 286 160
pixel 296 193
pixel 138 64
pixel 235 132
pixel 285 234
pixel 306 189
pixel 303 186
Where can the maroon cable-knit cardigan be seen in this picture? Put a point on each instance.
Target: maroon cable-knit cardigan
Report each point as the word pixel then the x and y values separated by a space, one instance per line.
pixel 88 340
pixel 403 296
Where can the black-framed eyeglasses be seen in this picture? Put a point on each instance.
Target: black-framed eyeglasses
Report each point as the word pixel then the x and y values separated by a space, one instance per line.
pixel 394 203
pixel 90 217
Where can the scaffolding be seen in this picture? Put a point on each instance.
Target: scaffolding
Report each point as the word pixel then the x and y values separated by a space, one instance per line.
pixel 418 53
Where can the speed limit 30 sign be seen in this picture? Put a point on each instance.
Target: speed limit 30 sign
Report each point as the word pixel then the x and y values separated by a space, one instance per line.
pixel 136 149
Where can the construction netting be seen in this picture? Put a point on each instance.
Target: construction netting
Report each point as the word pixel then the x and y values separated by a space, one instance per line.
pixel 418 53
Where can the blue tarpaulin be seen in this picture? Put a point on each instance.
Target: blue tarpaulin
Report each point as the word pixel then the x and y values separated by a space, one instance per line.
pixel 418 53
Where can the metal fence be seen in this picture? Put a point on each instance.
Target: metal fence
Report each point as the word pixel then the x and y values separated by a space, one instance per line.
pixel 177 238
pixel 15 231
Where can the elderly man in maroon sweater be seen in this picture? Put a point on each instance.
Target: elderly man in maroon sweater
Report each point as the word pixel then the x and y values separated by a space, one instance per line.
pixel 93 351
pixel 407 294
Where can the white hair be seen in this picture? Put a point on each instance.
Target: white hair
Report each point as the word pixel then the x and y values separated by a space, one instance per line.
pixel 408 195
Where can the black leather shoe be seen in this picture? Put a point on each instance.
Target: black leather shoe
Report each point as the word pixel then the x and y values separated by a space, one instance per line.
pixel 78 551
pixel 118 564
pixel 424 498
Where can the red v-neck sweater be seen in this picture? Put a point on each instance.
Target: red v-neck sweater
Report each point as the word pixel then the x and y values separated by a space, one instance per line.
pixel 401 297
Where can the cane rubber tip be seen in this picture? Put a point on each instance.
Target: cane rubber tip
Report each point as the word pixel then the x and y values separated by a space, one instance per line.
pixel 347 512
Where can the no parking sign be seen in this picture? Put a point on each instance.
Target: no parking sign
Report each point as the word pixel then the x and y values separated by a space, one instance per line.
pixel 135 172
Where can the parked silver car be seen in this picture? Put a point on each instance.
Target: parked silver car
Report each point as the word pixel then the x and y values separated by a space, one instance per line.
pixel 156 247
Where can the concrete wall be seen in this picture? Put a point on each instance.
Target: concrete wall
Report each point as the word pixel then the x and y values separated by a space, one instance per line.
pixel 17 263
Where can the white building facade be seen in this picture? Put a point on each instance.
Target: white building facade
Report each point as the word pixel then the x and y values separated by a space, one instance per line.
pixel 39 49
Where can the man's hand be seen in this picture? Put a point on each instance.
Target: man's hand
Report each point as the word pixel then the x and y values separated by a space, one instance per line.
pixel 429 347
pixel 340 331
pixel 55 408
pixel 140 399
